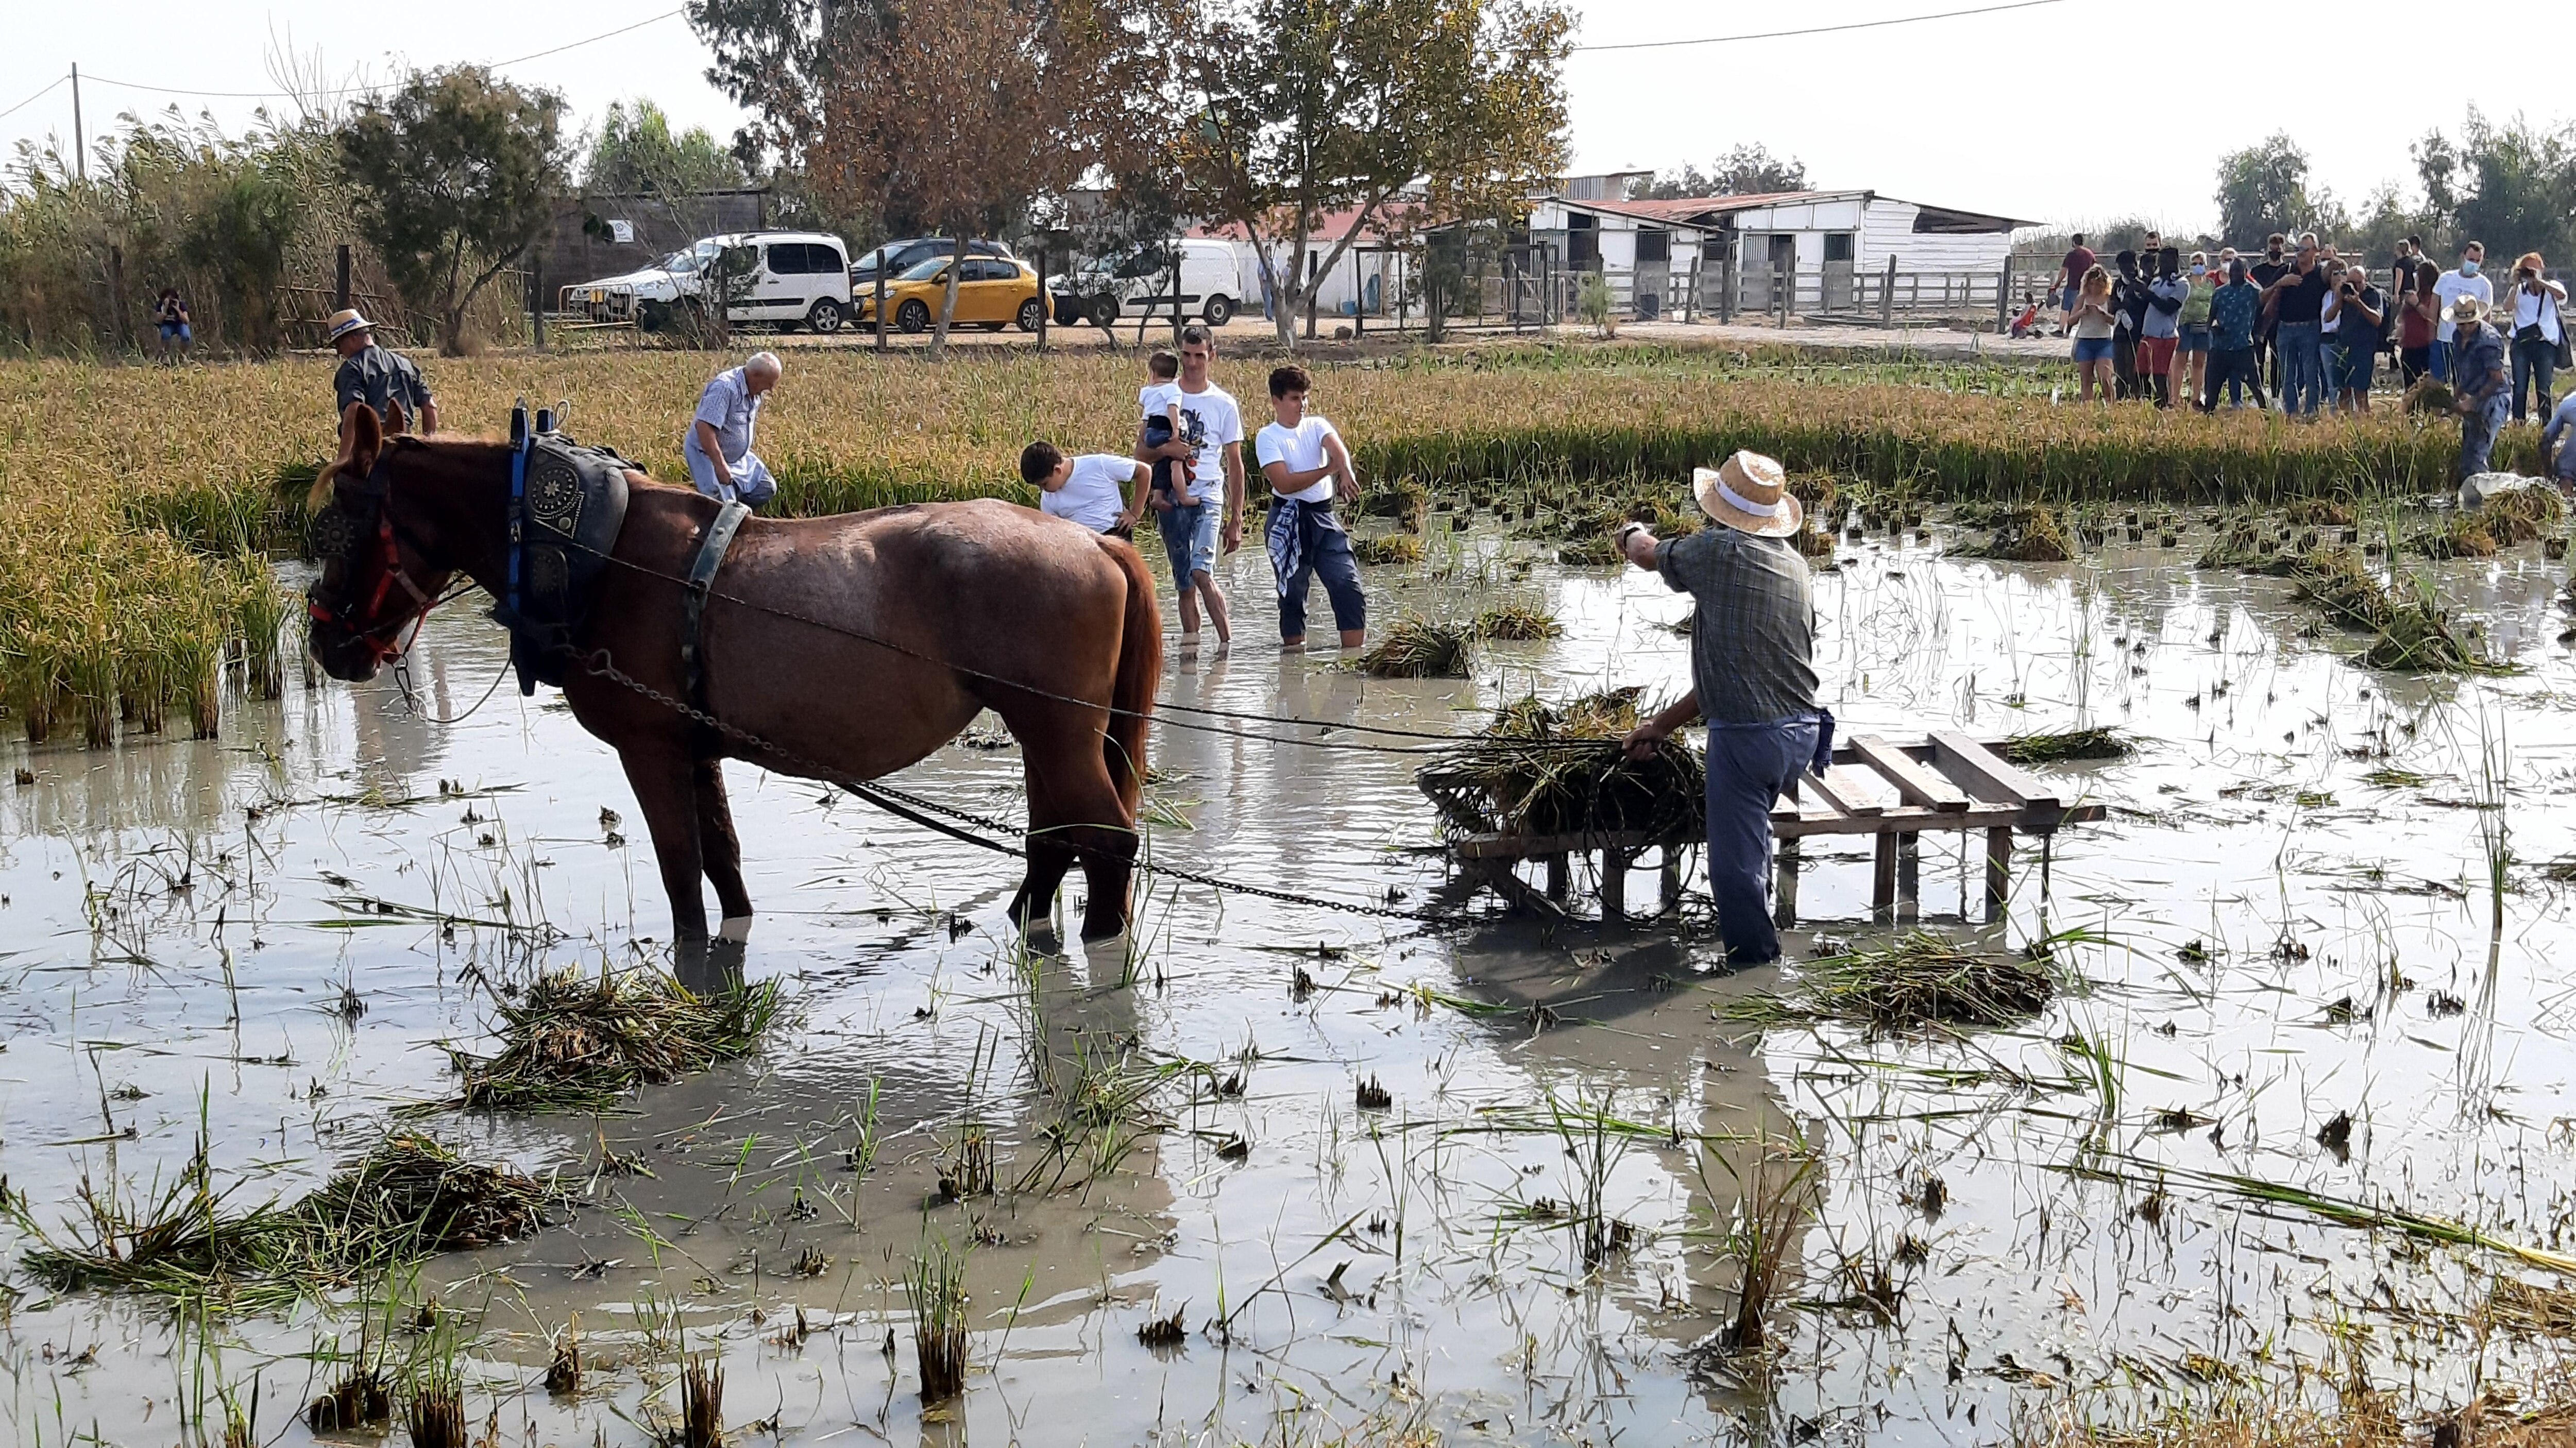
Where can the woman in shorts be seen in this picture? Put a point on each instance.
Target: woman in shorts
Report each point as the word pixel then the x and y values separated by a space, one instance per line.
pixel 2094 322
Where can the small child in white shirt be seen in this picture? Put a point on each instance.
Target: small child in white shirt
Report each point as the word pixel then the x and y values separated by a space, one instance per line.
pixel 1160 401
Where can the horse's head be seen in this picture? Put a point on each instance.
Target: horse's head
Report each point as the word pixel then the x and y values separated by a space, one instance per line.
pixel 378 579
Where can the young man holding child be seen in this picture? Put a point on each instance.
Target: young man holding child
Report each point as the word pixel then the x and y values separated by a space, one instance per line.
pixel 1307 466
pixel 1211 429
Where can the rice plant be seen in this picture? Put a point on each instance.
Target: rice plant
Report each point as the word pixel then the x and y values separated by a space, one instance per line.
pixel 1538 769
pixel 1919 981
pixel 938 1288
pixel 581 1042
pixel 1417 648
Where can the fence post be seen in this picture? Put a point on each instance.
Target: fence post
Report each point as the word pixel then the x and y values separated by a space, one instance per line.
pixel 1177 246
pixel 1887 295
pixel 537 300
pixel 1313 282
pixel 2003 298
pixel 340 290
pixel 1726 287
pixel 1046 303
pixel 880 309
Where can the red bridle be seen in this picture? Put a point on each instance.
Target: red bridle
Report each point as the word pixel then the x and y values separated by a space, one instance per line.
pixel 385 639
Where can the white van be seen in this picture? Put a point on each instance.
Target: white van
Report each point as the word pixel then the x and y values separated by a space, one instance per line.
pixel 1140 283
pixel 785 278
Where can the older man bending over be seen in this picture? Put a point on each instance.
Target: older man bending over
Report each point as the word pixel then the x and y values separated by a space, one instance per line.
pixel 718 442
pixel 1753 678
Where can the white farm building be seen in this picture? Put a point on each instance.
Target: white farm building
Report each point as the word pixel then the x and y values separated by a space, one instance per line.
pixel 1821 252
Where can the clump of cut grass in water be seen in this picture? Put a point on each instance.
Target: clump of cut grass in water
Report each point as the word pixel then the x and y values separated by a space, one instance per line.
pixel 1516 623
pixel 2027 535
pixel 1918 981
pixel 2060 746
pixel 938 1287
pixel 581 1042
pixel 1775 1200
pixel 1539 769
pixel 2340 582
pixel 2417 637
pixel 2520 515
pixel 1394 550
pixel 1598 550
pixel 1417 648
pixel 407 1198
pixel 701 1403
pixel 359 1399
pixel 435 1417
pixel 563 1373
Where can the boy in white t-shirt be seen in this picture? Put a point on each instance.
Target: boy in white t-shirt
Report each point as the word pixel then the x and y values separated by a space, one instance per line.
pixel 1160 401
pixel 1097 490
pixel 1306 464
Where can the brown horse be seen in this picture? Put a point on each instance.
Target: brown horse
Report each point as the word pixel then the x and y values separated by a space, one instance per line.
pixel 919 617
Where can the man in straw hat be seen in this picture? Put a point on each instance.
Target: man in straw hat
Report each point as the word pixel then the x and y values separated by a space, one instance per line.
pixel 379 377
pixel 2478 387
pixel 1753 678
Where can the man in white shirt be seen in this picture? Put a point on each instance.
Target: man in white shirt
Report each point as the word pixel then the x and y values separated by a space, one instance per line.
pixel 717 445
pixel 1191 531
pixel 2462 281
pixel 1101 491
pixel 1306 465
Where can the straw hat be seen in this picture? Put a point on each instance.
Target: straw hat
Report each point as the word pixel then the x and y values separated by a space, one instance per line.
pixel 1749 492
pixel 343 322
pixel 2468 309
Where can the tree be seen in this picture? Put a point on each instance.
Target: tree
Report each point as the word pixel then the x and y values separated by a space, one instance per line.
pixel 776 58
pixel 2263 189
pixel 636 154
pixel 961 113
pixel 2512 187
pixel 456 174
pixel 1748 170
pixel 1309 107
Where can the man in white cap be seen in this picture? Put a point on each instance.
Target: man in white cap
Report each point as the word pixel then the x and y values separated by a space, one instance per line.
pixel 1753 678
pixel 382 378
pixel 718 442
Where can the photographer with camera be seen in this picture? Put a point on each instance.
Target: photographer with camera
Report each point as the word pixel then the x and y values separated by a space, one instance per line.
pixel 2539 334
pixel 2356 308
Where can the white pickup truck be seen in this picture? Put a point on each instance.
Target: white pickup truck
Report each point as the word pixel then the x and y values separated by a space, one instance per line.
pixel 785 278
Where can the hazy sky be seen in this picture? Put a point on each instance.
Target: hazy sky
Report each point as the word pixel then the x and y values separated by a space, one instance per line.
pixel 2077 109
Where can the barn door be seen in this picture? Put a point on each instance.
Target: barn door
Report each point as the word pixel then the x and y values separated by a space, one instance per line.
pixel 1839 268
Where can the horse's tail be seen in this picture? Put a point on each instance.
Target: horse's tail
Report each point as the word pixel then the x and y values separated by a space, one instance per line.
pixel 1140 674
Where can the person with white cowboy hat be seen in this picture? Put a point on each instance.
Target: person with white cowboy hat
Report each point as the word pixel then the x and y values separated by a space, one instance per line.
pixel 2478 386
pixel 380 377
pixel 1753 678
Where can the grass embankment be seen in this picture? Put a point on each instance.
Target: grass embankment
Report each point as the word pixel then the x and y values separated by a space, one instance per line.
pixel 139 507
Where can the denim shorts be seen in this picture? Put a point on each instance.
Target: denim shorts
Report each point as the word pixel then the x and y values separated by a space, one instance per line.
pixel 1189 539
pixel 2195 339
pixel 2092 349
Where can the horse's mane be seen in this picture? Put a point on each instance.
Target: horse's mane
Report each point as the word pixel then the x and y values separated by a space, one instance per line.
pixel 318 496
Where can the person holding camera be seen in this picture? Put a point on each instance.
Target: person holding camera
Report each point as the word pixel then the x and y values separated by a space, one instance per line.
pixel 2357 309
pixel 2419 316
pixel 2538 332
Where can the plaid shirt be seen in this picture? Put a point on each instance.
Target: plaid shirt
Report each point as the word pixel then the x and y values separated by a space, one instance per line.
pixel 1753 641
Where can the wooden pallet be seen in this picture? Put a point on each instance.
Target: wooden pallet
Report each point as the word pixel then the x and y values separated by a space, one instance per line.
pixel 1947 782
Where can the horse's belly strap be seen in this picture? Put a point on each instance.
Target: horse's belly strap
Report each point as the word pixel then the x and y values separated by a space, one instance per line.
pixel 710 556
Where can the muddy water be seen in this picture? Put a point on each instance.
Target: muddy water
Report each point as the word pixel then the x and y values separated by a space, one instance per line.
pixel 270 934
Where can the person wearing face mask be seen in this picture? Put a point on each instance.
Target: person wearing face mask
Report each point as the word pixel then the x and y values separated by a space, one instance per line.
pixel 2537 331
pixel 2191 357
pixel 2462 281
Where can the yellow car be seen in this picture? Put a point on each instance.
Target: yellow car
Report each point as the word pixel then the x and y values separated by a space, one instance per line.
pixel 993 292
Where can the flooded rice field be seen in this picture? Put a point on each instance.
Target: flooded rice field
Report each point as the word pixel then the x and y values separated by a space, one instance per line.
pixel 2295 1114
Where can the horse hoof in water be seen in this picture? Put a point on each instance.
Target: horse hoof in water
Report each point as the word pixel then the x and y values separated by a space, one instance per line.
pixel 735 929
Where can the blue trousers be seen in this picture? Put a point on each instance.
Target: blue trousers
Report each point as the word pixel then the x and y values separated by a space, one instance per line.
pixel 2303 374
pixel 2534 362
pixel 1323 552
pixel 1750 766
pixel 2441 360
pixel 2478 433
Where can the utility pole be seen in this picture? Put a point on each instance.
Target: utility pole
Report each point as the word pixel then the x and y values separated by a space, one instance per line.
pixel 80 140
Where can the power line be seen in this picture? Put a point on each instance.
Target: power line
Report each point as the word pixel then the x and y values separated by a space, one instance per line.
pixel 31 100
pixel 266 95
pixel 1817 29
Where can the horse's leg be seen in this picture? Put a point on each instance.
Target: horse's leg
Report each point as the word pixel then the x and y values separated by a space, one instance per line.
pixel 1050 855
pixel 660 775
pixel 722 849
pixel 1090 820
